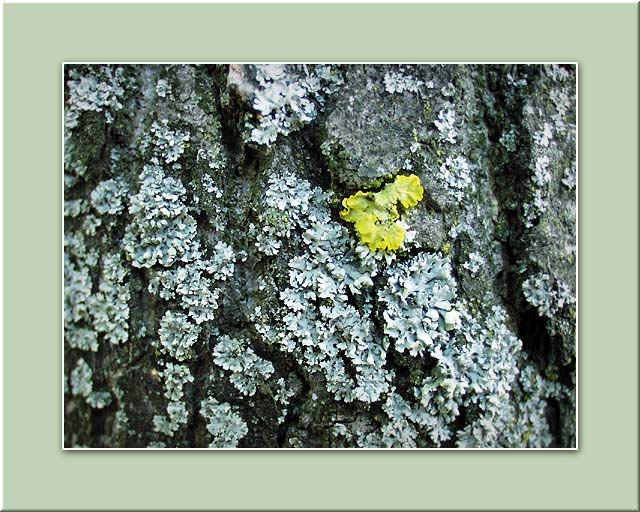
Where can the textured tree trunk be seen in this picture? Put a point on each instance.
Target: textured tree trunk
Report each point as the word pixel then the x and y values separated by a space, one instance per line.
pixel 221 289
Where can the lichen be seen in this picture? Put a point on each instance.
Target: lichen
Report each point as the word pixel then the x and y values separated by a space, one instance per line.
pixel 547 295
pixel 288 97
pixel 375 214
pixel 225 425
pixel 108 196
pixel 418 298
pixel 82 385
pixel 161 230
pixel 397 82
pixel 177 415
pixel 98 91
pixel 109 307
pixel 177 335
pixel 247 368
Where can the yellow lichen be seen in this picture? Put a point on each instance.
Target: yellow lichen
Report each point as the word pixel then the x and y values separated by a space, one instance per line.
pixel 375 214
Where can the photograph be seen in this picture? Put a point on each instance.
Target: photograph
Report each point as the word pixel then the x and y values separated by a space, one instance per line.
pixel 310 255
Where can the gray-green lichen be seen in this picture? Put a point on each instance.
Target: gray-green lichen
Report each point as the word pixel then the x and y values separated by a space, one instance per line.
pixel 213 297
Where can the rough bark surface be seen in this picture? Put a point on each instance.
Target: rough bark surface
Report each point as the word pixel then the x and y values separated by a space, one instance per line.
pixel 215 295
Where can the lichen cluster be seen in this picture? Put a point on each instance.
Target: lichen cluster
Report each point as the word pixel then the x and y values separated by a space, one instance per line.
pixel 375 214
pixel 288 97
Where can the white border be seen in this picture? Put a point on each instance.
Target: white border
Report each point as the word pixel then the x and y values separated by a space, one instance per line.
pixel 2 290
pixel 133 63
pixel 328 2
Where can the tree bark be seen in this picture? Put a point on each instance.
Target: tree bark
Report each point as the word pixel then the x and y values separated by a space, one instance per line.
pixel 215 295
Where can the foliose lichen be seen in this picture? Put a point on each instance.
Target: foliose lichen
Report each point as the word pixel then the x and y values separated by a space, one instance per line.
pixel 418 298
pixel 289 97
pixel 225 425
pixel 248 369
pixel 375 214
pixel 82 385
